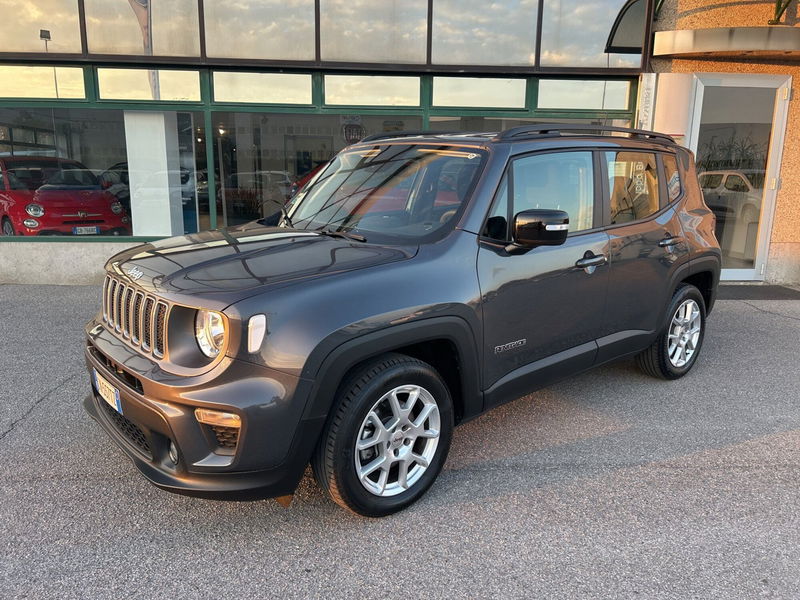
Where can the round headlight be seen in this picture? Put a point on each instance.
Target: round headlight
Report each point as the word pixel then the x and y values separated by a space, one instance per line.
pixel 116 208
pixel 35 210
pixel 209 330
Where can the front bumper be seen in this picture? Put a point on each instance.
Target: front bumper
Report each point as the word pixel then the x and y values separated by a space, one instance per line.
pixel 274 444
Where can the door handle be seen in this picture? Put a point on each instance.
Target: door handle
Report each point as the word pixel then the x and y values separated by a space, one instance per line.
pixel 670 241
pixel 591 261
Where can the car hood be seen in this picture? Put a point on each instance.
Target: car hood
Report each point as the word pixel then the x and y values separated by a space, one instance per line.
pixel 228 265
pixel 72 198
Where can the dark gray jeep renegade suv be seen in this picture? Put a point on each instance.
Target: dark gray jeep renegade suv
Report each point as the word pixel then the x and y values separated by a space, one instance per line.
pixel 417 281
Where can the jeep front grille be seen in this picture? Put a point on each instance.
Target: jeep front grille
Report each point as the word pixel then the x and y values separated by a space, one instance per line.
pixel 136 316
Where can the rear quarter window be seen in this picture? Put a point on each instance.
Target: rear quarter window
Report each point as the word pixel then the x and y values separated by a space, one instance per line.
pixel 673 176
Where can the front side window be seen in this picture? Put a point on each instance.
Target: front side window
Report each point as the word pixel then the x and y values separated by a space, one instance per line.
pixel 396 192
pixel 633 185
pixel 561 181
pixel 735 183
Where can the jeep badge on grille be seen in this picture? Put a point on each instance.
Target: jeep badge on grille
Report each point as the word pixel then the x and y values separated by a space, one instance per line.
pixel 135 273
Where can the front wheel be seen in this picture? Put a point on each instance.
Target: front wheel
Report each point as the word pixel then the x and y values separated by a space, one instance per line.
pixel 387 438
pixel 677 347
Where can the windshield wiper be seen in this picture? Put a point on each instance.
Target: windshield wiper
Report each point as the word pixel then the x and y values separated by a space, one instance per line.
pixel 342 234
pixel 286 217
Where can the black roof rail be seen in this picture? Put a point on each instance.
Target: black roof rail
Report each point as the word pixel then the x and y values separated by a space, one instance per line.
pixel 555 129
pixel 394 134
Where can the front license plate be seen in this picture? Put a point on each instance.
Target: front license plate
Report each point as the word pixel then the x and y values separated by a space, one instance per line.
pixel 107 391
pixel 85 230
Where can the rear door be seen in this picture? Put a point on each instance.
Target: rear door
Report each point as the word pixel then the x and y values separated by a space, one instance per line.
pixel 542 312
pixel 646 246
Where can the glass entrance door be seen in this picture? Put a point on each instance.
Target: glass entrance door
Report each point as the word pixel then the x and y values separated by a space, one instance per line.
pixel 737 137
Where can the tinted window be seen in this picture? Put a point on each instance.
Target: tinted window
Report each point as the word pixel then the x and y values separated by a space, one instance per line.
pixel 710 182
pixel 385 31
pixel 22 21
pixel 734 183
pixel 673 177
pixel 143 27
pixel 633 185
pixel 260 29
pixel 476 32
pixel 574 34
pixel 562 181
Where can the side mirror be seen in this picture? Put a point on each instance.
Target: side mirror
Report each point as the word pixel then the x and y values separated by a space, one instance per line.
pixel 540 227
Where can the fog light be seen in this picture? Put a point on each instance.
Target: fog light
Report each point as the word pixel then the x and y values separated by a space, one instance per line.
pixel 173 452
pixel 217 417
pixel 31 223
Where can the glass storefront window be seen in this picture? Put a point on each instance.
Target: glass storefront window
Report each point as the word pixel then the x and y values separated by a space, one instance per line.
pixel 149 84
pixel 392 31
pixel 143 27
pixel 84 172
pixel 474 32
pixel 260 29
pixel 574 34
pixel 264 158
pixel 732 153
pixel 584 95
pixel 371 90
pixel 264 88
pixel 41 82
pixel 23 25
pixel 479 92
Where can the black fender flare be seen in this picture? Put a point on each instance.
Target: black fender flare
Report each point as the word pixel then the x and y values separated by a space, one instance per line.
pixel 334 363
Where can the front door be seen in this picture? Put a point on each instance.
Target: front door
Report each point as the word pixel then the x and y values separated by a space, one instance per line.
pixel 737 136
pixel 542 312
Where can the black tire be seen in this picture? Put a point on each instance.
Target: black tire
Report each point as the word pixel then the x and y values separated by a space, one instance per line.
pixel 655 360
pixel 334 460
pixel 6 227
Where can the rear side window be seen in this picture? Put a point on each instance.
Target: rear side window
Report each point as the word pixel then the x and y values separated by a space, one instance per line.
pixel 673 177
pixel 633 185
pixel 560 180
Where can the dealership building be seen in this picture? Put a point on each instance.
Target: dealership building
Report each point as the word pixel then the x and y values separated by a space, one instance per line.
pixel 170 118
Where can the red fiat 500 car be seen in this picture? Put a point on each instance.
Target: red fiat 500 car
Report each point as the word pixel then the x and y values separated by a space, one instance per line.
pixel 54 196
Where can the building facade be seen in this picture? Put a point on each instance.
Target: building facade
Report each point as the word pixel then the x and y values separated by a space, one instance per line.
pixel 124 121
pixel 725 85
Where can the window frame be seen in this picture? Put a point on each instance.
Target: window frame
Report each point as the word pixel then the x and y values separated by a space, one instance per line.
pixel 597 215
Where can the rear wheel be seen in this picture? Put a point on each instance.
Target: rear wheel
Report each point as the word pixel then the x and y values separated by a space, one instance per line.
pixel 8 228
pixel 677 347
pixel 387 438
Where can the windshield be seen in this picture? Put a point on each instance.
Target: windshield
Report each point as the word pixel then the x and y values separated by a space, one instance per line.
pixel 32 174
pixel 395 192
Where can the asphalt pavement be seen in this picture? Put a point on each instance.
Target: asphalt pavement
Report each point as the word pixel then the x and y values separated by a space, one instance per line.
pixel 609 485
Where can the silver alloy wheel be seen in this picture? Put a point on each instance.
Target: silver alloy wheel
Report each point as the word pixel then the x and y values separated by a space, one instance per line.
pixel 8 229
pixel 684 333
pixel 397 440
